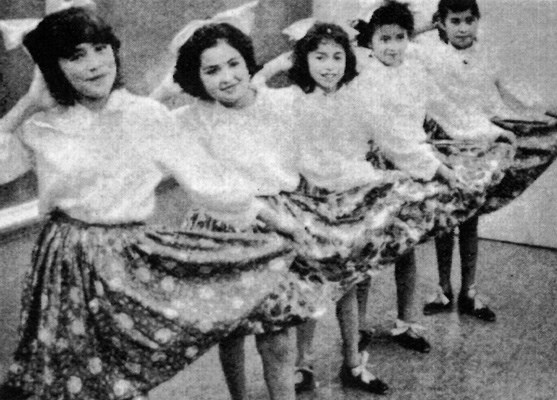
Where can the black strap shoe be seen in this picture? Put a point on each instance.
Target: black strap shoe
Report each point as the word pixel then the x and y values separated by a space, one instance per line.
pixel 407 335
pixel 472 305
pixel 305 380
pixel 443 302
pixel 360 378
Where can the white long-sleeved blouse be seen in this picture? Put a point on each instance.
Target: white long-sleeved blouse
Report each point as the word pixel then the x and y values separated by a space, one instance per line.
pixel 103 167
pixel 332 138
pixel 472 83
pixel 399 98
pixel 255 141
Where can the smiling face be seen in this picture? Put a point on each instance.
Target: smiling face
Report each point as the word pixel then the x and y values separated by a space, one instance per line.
pixel 91 71
pixel 225 75
pixel 327 64
pixel 461 28
pixel 389 43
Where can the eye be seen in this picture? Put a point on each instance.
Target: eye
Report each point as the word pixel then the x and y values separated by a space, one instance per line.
pixel 77 55
pixel 470 20
pixel 401 36
pixel 210 70
pixel 385 38
pixel 455 21
pixel 234 63
pixel 100 47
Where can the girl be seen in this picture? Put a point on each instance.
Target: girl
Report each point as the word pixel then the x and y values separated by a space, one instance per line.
pixel 469 79
pixel 239 126
pixel 215 66
pixel 333 160
pixel 330 142
pixel 111 308
pixel 399 91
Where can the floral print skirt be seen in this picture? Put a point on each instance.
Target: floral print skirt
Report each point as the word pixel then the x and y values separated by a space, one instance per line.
pixel 294 300
pixel 110 312
pixel 357 232
pixel 536 151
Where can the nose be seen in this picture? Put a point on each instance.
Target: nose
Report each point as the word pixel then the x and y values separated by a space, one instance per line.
pixel 94 62
pixel 329 65
pixel 227 75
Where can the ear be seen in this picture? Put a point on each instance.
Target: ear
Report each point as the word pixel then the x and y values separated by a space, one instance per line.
pixel 441 25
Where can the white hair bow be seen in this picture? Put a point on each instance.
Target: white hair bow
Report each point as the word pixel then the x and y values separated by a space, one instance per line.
pixel 298 29
pixel 242 17
pixel 13 30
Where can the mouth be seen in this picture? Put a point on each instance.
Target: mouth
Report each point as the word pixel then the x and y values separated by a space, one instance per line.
pixel 229 88
pixel 329 76
pixel 97 78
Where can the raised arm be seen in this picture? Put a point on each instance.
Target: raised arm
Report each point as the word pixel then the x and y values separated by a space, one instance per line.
pixel 37 99
pixel 279 64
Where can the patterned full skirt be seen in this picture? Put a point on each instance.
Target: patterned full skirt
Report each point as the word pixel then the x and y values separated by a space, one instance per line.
pixel 353 233
pixel 110 312
pixel 536 151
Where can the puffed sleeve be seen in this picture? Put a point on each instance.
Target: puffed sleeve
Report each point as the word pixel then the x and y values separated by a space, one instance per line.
pixel 521 98
pixel 207 182
pixel 398 132
pixel 456 122
pixel 15 158
pixel 404 144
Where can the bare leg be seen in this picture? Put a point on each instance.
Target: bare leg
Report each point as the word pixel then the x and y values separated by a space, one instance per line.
pixel 277 354
pixel 232 359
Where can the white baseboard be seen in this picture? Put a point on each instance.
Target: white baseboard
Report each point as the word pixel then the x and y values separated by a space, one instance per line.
pixel 19 216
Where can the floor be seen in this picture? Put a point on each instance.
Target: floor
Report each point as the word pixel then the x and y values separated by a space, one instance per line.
pixel 514 358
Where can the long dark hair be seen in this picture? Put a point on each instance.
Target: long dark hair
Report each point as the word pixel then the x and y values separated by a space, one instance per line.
pixel 317 34
pixel 57 37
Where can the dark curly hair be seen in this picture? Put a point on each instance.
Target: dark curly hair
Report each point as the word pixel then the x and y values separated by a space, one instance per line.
pixel 319 33
pixel 391 13
pixel 186 72
pixel 57 37
pixel 456 6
